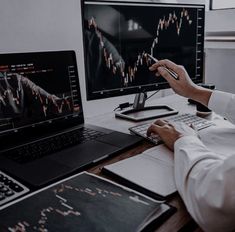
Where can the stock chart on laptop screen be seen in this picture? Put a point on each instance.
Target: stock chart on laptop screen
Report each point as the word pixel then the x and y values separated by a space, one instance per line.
pixel 37 87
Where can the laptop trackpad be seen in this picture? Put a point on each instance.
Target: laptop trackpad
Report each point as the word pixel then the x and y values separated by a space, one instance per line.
pixel 119 139
pixel 36 173
pixel 84 154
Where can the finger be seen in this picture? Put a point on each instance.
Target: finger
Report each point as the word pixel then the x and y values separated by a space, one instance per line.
pixel 193 126
pixel 153 129
pixel 153 67
pixel 165 74
pixel 160 122
pixel 166 63
pixel 157 74
pixel 171 125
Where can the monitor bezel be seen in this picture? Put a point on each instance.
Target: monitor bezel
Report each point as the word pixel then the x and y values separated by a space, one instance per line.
pixel 138 89
pixel 50 124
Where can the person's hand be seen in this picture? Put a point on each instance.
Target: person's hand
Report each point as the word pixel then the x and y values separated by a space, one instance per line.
pixel 184 85
pixel 170 133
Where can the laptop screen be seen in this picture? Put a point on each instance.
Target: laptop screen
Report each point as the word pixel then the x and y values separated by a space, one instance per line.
pixel 37 89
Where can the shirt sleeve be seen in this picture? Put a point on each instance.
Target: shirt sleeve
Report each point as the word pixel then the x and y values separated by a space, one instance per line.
pixel 223 104
pixel 206 184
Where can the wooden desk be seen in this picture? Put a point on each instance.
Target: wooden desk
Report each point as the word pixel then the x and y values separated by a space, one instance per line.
pixel 181 218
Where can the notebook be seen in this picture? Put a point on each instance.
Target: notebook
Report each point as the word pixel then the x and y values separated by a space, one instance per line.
pixel 151 172
pixel 42 130
pixel 84 202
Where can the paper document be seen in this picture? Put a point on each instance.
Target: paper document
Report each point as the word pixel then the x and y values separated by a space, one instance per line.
pixel 152 170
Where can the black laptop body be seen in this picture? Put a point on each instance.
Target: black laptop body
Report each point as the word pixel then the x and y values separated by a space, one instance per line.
pixel 42 130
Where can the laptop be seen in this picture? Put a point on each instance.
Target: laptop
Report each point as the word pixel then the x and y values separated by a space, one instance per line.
pixel 42 131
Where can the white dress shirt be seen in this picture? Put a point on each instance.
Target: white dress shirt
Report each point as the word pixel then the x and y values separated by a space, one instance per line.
pixel 205 170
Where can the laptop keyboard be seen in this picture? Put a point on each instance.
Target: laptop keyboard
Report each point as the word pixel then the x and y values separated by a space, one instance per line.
pixel 43 147
pixel 10 189
pixel 191 120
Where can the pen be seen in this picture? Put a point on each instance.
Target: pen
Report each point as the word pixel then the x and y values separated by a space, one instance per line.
pixel 171 72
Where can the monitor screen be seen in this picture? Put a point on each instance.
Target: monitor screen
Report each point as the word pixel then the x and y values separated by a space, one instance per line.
pixel 38 88
pixel 118 35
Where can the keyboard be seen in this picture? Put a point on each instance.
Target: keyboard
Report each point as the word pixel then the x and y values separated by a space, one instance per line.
pixel 189 119
pixel 35 150
pixel 10 189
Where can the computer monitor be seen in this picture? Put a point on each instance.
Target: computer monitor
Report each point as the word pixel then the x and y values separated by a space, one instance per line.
pixel 118 35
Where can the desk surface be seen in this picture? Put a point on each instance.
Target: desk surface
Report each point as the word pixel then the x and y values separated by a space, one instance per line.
pixel 108 120
pixel 181 218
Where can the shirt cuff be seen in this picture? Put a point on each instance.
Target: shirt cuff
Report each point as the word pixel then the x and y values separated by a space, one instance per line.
pixel 190 149
pixel 184 140
pixel 219 102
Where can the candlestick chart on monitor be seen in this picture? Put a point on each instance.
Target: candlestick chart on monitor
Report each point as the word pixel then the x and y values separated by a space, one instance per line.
pixel 118 36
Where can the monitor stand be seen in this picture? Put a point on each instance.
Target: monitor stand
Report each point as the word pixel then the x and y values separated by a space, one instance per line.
pixel 140 112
